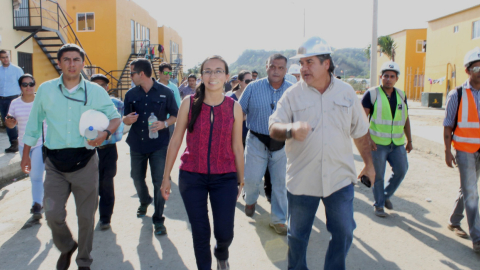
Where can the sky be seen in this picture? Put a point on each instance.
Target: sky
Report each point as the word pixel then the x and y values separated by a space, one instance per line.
pixel 228 28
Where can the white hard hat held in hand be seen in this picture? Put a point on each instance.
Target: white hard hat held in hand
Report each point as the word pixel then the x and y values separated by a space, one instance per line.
pixel 294 69
pixel 390 65
pixel 471 56
pixel 312 46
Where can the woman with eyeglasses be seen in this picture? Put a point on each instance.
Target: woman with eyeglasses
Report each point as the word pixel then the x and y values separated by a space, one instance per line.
pixel 212 164
pixel 18 114
pixel 244 78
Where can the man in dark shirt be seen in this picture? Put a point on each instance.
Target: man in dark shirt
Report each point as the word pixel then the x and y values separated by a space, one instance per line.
pixel 147 97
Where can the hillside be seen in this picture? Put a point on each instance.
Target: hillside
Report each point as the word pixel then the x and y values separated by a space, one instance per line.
pixel 353 61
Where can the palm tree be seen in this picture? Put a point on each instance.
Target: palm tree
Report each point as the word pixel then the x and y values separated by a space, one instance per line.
pixel 387 46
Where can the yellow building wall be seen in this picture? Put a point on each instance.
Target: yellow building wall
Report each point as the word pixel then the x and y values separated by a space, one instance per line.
pixel 10 37
pixel 43 69
pixel 408 59
pixel 446 48
pixel 167 34
pixel 414 64
pixel 100 44
pixel 127 11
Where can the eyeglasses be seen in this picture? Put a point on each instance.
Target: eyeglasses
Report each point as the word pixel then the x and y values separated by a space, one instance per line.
pixel 133 73
pixel 248 81
pixel 32 84
pixel 475 69
pixel 167 73
pixel 209 72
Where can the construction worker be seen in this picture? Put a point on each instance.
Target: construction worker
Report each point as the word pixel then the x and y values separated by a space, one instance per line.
pixel 462 130
pixel 387 109
pixel 295 71
pixel 317 118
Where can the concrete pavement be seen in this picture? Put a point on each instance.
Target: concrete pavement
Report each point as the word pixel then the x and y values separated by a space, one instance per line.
pixel 414 236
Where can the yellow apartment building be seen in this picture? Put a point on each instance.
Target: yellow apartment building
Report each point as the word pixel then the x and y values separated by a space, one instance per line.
pixel 24 28
pixel 172 42
pixel 115 32
pixel 410 56
pixel 449 38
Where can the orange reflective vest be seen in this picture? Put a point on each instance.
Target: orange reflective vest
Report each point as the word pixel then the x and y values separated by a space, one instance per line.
pixel 466 136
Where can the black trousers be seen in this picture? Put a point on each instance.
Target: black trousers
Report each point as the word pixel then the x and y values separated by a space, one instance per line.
pixel 107 169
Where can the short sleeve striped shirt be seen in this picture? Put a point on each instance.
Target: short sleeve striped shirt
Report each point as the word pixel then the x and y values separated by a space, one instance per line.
pixel 259 101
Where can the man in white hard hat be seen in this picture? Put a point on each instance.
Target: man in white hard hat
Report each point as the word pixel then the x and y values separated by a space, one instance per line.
pixel 295 71
pixel 387 109
pixel 462 130
pixel 317 118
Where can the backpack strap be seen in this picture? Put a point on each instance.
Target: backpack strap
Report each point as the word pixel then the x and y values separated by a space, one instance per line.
pixel 459 99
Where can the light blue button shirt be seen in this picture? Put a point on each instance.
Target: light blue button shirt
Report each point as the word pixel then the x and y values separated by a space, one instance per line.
pixel 9 80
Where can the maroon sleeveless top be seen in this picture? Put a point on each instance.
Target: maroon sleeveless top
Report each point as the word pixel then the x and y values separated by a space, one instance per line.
pixel 209 146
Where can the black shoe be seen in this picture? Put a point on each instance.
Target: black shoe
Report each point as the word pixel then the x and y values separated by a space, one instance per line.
pixel 142 209
pixel 64 260
pixel 36 211
pixel 249 210
pixel 13 147
pixel 104 226
pixel 388 204
pixel 84 268
pixel 379 212
pixel 160 229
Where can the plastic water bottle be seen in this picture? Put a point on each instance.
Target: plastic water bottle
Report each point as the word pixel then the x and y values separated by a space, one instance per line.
pixel 90 135
pixel 151 119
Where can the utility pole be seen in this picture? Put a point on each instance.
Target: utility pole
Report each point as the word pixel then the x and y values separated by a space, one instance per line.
pixel 373 48
pixel 303 22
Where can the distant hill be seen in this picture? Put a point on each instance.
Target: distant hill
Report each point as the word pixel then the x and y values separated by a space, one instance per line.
pixel 353 61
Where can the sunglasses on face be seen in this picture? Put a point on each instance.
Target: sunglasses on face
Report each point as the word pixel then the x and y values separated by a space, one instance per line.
pixel 248 81
pixel 133 73
pixel 32 84
pixel 475 69
pixel 167 73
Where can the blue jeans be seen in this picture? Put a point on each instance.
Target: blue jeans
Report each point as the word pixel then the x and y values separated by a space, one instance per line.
pixel 340 224
pixel 36 173
pixel 257 158
pixel 396 156
pixel 4 106
pixel 138 173
pixel 469 167
pixel 222 189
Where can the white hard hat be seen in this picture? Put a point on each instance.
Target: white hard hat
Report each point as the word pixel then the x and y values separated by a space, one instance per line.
pixel 390 65
pixel 312 46
pixel 96 119
pixel 471 56
pixel 294 69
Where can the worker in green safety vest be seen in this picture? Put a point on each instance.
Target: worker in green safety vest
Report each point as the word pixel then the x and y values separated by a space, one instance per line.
pixel 387 109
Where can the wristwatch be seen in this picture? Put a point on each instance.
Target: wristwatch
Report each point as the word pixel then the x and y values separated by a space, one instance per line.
pixel 108 134
pixel 166 124
pixel 289 132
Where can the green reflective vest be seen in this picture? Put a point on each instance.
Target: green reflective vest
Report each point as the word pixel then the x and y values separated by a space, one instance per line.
pixel 383 129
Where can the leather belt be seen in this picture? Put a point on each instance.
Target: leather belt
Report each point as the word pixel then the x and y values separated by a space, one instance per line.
pixel 106 146
pixel 10 97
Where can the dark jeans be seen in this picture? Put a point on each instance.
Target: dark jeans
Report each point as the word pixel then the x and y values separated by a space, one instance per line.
pixel 340 224
pixel 4 106
pixel 138 172
pixel 222 188
pixel 107 169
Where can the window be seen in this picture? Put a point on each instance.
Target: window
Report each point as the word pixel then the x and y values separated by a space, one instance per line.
pixel 86 21
pixel 476 30
pixel 421 46
pixel 455 29
pixel 148 34
pixel 138 31
pixel 418 81
pixel 143 33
